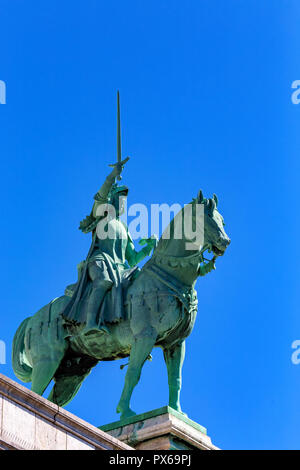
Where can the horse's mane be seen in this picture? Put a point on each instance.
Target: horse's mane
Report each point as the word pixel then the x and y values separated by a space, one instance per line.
pixel 163 243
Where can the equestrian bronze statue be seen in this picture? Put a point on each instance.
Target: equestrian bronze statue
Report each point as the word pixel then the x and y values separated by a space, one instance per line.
pixel 117 310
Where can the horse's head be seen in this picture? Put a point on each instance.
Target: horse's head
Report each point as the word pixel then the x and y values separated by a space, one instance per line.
pixel 215 236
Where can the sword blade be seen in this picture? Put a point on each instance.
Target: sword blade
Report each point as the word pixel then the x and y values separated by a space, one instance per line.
pixel 118 129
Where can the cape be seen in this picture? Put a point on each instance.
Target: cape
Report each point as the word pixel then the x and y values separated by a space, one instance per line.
pixel 112 308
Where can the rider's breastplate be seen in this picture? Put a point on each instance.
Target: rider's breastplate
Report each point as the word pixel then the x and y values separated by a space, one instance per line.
pixel 115 243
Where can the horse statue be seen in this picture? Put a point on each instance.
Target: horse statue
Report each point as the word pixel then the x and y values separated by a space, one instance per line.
pixel 160 305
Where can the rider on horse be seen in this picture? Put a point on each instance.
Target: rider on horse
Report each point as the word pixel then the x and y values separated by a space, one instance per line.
pixel 105 268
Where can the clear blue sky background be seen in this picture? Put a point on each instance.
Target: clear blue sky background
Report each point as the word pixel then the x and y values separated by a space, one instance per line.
pixel 206 103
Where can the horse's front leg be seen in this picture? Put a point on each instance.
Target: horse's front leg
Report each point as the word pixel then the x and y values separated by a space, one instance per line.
pixel 140 350
pixel 174 358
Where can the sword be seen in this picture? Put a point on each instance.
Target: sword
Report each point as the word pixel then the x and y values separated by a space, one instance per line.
pixel 119 161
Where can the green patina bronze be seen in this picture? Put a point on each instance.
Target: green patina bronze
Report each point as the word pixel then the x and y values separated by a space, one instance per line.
pixel 116 310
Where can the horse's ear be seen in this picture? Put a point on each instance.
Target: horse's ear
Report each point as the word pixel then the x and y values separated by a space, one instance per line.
pixel 212 204
pixel 215 199
pixel 200 197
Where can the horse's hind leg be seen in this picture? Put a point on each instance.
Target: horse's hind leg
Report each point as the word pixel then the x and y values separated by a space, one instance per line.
pixel 69 378
pixel 174 358
pixel 42 374
pixel 46 344
pixel 65 389
pixel 140 350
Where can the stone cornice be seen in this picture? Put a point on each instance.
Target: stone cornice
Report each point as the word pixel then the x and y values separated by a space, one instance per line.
pixel 46 412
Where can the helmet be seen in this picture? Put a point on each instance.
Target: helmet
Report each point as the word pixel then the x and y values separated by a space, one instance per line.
pixel 116 191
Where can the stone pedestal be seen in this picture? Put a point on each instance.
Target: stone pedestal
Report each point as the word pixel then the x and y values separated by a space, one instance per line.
pixel 161 429
pixel 30 422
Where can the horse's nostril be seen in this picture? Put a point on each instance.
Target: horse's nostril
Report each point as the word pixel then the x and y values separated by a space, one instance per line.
pixel 228 241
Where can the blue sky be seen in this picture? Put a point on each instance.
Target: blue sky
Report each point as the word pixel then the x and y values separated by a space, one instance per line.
pixel 206 103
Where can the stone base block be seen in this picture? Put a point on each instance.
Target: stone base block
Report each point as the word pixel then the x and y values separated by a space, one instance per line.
pixel 161 429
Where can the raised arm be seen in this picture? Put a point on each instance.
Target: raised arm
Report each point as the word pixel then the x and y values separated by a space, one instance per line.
pixel 101 196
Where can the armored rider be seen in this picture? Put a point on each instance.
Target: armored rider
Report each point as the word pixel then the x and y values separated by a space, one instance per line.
pixel 106 264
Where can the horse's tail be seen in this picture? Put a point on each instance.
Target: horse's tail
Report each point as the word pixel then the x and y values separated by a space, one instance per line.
pixel 22 370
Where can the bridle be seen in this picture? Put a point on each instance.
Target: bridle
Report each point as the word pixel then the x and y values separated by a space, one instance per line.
pixel 174 261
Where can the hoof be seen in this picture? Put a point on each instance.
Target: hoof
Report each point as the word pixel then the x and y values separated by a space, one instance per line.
pixel 179 410
pixel 125 413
